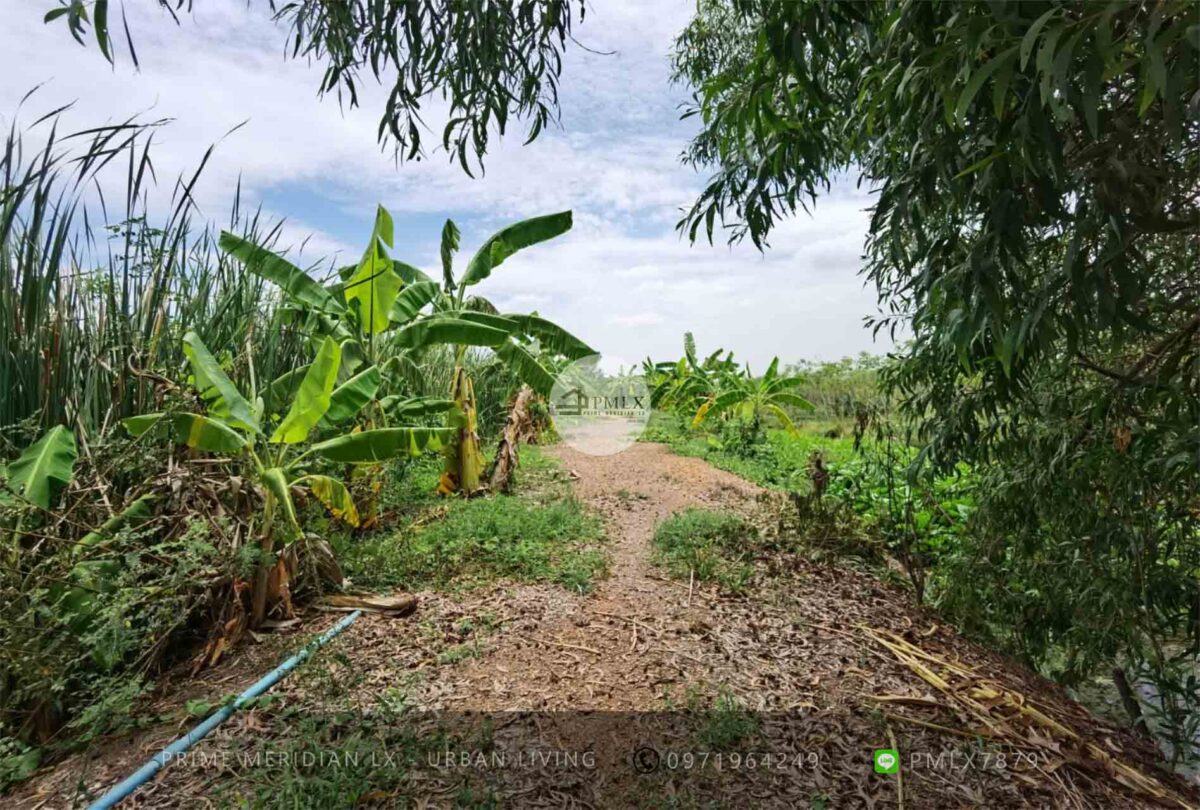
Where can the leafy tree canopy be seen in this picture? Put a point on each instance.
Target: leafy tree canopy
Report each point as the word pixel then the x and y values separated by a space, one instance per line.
pixel 1036 228
pixel 1036 168
pixel 491 61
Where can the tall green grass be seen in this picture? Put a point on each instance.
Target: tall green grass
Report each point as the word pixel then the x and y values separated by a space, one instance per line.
pixel 97 284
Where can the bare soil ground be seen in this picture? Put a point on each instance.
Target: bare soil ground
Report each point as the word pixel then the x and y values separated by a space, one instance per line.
pixel 658 693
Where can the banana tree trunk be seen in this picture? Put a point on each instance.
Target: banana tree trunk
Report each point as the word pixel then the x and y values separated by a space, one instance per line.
pixel 464 459
pixel 262 577
pixel 518 427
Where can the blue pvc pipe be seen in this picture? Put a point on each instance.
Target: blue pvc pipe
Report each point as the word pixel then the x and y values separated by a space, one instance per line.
pixel 147 771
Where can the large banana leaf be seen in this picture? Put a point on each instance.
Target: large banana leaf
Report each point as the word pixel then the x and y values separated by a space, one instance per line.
pixel 371 292
pixel 477 303
pixel 350 397
pixel 527 368
pixel 795 400
pixel 772 370
pixel 282 390
pixel 401 408
pixel 552 336
pixel 783 383
pixel 511 239
pixel 428 331
pixel 191 429
pixel 135 514
pixel 408 273
pixel 353 356
pixel 382 444
pixel 783 418
pixel 384 229
pixel 411 299
pixel 45 467
pixel 719 405
pixel 219 393
pixel 294 281
pixel 313 397
pixel 492 319
pixel 373 288
pixel 276 483
pixel 450 237
pixel 402 366
pixel 334 495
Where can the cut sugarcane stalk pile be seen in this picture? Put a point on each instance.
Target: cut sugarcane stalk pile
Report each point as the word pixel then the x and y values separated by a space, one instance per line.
pixel 1000 714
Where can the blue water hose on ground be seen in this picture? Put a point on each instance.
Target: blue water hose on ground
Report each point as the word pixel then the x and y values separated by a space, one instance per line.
pixel 147 771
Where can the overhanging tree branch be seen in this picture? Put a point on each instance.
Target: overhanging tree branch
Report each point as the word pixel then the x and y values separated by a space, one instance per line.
pixel 492 61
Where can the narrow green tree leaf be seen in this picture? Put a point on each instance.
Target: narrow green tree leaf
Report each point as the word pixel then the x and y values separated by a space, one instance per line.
pixel 976 81
pixel 1031 35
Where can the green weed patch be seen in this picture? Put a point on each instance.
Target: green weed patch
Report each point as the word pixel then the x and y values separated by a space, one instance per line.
pixel 712 546
pixel 541 534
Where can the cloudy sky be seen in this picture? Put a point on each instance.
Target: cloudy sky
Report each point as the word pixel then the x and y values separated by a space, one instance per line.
pixel 623 279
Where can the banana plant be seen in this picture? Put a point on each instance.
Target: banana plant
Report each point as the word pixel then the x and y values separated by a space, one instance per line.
pixel 518 339
pixel 32 482
pixel 360 310
pixel 386 310
pixel 752 399
pixel 233 425
pixel 31 485
pixel 684 385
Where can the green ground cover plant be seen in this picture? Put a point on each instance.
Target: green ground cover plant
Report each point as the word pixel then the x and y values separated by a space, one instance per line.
pixel 708 545
pixel 540 534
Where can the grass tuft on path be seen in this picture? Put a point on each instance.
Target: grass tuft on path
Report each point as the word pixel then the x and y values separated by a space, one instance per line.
pixel 540 534
pixel 715 546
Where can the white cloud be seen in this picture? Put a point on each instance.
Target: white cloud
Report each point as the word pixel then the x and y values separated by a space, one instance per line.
pixel 636 319
pixel 623 279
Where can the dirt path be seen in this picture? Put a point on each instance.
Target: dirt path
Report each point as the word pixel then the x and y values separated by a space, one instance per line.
pixel 785 673
pixel 626 645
